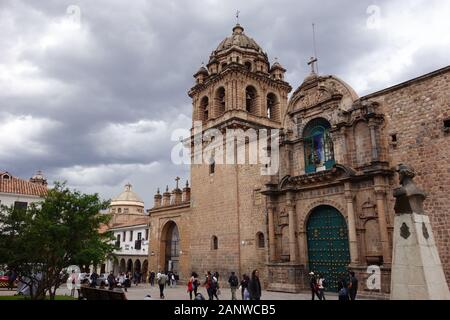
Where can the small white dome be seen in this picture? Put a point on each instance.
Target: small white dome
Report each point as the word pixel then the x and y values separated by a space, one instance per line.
pixel 127 197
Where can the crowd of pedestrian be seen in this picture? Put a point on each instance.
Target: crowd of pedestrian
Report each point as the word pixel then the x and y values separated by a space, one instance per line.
pixel 347 286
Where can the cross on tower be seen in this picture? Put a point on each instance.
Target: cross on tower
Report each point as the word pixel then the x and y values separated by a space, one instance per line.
pixel 177 179
pixel 311 63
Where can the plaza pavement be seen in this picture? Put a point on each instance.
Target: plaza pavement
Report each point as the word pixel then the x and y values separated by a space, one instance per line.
pixel 179 293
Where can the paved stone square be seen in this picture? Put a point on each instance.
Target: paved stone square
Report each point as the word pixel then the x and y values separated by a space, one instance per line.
pixel 179 293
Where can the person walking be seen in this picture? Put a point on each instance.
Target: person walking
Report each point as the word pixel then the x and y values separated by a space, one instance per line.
pixel 73 280
pixel 152 278
pixel 343 289
pixel 321 287
pixel 313 286
pixel 173 281
pixel 12 276
pixel 190 285
pixel 244 287
pixel 353 286
pixel 136 278
pixel 94 277
pixel 208 285
pixel 127 283
pixel 254 286
pixel 234 283
pixel 162 279
pixel 196 284
pixel 111 281
pixel 215 286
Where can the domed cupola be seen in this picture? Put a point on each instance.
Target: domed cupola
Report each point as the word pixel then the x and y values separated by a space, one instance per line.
pixel 238 49
pixel 128 202
pixel 238 39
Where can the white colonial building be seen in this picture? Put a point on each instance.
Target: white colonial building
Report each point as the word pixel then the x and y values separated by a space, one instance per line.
pixel 130 228
pixel 19 192
pixel 132 249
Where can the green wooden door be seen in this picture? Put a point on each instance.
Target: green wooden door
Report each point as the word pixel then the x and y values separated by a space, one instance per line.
pixel 328 250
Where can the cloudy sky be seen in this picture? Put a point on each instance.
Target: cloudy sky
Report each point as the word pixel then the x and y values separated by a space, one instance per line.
pixel 91 91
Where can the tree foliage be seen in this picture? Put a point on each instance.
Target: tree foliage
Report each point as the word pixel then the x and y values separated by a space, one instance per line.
pixel 39 243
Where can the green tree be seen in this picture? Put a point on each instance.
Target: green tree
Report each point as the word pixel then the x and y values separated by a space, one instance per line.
pixel 40 242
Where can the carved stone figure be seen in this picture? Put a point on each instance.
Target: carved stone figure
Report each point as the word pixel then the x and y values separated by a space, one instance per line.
pixel 409 197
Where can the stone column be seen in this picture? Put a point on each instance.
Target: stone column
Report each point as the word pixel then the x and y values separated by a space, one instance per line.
pixel 303 247
pixel 186 193
pixel 373 141
pixel 166 197
pixel 292 227
pixel 157 199
pixel 353 240
pixel 272 252
pixel 339 146
pixel 380 193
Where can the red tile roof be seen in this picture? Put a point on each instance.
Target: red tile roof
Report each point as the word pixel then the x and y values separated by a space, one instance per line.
pixel 15 185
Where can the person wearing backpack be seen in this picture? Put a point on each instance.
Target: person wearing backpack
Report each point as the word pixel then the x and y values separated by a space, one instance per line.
pixel 234 282
pixel 162 279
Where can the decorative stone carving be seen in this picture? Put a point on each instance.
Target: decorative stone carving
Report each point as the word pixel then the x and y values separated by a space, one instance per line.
pixel 368 210
pixel 404 231
pixel 409 197
pixel 313 97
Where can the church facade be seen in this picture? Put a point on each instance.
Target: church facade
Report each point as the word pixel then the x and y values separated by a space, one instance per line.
pixel 329 207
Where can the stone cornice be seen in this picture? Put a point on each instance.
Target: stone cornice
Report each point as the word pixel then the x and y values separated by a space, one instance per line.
pixel 239 68
pixel 172 207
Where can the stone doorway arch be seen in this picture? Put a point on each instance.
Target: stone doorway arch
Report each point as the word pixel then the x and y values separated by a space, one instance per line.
pixel 145 271
pixel 122 266
pixel 170 247
pixel 328 244
pixel 130 265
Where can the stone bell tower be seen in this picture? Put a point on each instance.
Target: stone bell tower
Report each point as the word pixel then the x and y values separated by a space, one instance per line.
pixel 237 90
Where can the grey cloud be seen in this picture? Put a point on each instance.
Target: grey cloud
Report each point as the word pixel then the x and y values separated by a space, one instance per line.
pixel 133 61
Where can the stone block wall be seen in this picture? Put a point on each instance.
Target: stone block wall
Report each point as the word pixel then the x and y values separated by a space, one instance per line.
pixel 415 112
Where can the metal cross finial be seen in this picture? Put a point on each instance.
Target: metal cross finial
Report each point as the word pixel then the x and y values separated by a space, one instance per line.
pixel 177 179
pixel 237 16
pixel 311 63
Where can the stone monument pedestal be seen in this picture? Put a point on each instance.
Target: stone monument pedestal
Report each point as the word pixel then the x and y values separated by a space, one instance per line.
pixel 417 272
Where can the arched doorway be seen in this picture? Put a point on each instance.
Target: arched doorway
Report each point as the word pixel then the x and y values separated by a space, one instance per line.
pixel 115 268
pixel 170 247
pixel 144 270
pixel 328 248
pixel 129 265
pixel 137 265
pixel 122 267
